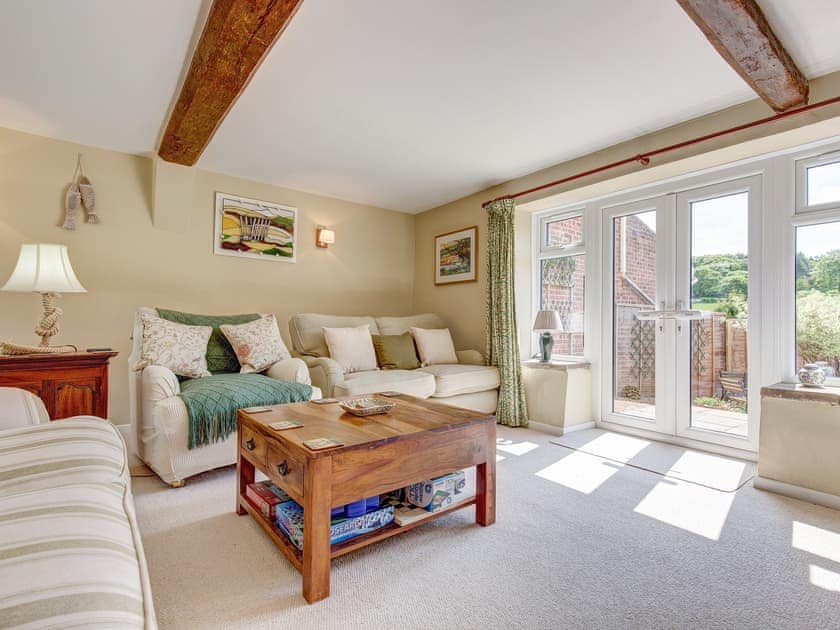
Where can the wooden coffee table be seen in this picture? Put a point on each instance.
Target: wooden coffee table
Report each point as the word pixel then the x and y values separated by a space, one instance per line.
pixel 417 440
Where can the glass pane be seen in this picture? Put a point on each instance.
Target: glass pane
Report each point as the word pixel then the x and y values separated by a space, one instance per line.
pixel 634 289
pixel 563 289
pixel 719 288
pixel 818 296
pixel 564 232
pixel 824 184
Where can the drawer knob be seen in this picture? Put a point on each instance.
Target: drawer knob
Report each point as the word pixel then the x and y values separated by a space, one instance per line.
pixel 283 468
pixel 250 444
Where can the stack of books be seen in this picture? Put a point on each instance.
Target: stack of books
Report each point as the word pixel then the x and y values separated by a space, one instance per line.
pixel 290 521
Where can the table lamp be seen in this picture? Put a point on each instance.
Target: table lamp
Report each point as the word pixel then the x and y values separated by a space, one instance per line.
pixel 547 322
pixel 45 269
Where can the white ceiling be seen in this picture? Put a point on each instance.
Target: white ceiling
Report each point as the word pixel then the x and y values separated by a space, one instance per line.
pixel 399 104
pixel 98 72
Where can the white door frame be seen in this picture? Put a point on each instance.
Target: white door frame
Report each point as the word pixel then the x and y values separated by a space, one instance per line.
pixel 753 186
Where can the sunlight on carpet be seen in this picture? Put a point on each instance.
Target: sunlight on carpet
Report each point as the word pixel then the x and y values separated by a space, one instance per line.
pixel 580 471
pixel 696 509
pixel 816 540
pixel 825 579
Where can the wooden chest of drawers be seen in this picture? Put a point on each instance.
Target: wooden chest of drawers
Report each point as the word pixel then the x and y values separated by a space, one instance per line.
pixel 71 384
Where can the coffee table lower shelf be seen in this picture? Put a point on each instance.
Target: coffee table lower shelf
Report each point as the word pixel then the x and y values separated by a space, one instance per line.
pixel 295 556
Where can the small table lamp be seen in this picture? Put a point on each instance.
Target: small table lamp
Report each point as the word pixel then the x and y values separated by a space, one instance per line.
pixel 45 269
pixel 547 322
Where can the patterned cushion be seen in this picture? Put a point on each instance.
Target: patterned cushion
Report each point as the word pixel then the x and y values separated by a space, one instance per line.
pixel 220 356
pixel 178 347
pixel 257 344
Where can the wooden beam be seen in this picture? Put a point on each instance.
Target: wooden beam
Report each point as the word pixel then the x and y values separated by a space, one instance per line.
pixel 236 38
pixel 742 36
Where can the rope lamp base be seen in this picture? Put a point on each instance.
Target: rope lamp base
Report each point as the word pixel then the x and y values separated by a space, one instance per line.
pixel 47 329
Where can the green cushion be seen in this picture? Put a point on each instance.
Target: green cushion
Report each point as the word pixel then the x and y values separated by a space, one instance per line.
pixel 396 352
pixel 220 355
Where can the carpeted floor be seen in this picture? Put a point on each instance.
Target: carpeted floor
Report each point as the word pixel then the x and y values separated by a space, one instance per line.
pixel 580 542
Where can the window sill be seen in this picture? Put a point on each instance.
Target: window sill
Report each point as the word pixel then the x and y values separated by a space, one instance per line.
pixel 557 364
pixel 795 391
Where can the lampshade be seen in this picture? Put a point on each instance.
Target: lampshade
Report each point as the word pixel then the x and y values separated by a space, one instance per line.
pixel 43 268
pixel 548 320
pixel 326 236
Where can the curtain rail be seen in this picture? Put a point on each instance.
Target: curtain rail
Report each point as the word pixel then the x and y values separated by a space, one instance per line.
pixel 644 158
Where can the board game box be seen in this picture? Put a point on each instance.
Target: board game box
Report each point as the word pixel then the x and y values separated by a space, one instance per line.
pixel 436 494
pixel 266 497
pixel 290 520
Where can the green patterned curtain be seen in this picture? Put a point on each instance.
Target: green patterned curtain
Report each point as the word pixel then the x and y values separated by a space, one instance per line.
pixel 502 339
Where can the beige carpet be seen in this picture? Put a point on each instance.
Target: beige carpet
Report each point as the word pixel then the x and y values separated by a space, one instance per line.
pixel 580 542
pixel 713 471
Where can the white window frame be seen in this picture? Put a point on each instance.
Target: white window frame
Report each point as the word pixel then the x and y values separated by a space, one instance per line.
pixel 545 252
pixel 801 182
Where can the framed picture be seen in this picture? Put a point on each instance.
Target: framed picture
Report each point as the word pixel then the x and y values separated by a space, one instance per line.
pixel 456 256
pixel 250 228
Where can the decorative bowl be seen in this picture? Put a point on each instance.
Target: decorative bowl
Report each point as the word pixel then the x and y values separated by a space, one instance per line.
pixel 811 375
pixel 367 406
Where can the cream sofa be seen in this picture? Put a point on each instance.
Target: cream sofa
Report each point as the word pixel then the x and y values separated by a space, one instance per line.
pixel 74 554
pixel 469 383
pixel 159 418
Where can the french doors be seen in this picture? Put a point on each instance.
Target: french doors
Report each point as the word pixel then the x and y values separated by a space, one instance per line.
pixel 679 313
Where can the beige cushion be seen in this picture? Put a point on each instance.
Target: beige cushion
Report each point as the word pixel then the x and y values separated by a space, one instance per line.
pixel 452 380
pixel 411 382
pixel 352 348
pixel 399 325
pixel 307 331
pixel 179 347
pixel 19 408
pixel 257 344
pixel 434 346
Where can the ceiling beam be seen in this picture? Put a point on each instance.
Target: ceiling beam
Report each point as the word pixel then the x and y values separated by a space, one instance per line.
pixel 237 36
pixel 742 36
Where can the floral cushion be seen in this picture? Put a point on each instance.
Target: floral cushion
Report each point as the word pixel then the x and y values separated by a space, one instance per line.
pixel 179 347
pixel 257 344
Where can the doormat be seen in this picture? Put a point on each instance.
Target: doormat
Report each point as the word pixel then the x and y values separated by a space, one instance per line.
pixel 704 469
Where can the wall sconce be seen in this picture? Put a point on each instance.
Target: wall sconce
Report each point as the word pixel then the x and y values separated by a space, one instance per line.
pixel 324 237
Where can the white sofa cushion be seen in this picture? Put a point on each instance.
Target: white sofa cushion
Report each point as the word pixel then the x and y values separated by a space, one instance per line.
pixel 411 382
pixel 434 346
pixel 307 331
pixel 257 344
pixel 19 408
pixel 352 348
pixel 452 380
pixel 399 325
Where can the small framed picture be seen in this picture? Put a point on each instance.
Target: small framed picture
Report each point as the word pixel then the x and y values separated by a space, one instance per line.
pixel 250 228
pixel 456 256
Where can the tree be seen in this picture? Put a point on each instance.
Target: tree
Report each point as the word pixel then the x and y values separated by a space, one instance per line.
pixel 718 275
pixel 826 271
pixel 818 326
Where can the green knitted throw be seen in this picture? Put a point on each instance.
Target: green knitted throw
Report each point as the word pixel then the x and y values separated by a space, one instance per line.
pixel 212 402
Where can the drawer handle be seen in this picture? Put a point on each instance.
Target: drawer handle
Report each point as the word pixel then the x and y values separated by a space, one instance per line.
pixel 283 468
pixel 250 444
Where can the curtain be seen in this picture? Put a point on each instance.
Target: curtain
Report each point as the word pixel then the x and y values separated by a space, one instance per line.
pixel 502 338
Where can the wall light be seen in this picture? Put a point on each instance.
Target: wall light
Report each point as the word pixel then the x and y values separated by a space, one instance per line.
pixel 324 237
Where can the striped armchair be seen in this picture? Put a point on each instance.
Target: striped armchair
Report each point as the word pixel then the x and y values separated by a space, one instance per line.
pixel 67 520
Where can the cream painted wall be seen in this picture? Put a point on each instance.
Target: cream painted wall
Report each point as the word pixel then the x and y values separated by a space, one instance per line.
pixel 462 305
pixel 126 261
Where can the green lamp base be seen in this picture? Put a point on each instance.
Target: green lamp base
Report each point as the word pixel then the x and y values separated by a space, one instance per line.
pixel 546 345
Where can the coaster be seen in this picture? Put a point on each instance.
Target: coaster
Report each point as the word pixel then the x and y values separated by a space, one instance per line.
pixel 256 409
pixel 324 401
pixel 319 444
pixel 282 425
pixel 390 393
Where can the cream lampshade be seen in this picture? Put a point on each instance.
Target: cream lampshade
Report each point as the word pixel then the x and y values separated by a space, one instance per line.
pixel 547 322
pixel 45 269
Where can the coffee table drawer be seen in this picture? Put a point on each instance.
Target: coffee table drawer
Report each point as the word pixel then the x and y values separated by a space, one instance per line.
pixel 253 443
pixel 284 469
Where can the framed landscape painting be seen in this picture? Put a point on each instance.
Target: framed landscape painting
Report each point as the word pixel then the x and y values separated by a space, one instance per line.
pixel 456 256
pixel 250 228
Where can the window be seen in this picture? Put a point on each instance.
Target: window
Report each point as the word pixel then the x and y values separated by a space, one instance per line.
pixel 561 280
pixel 818 295
pixel 818 183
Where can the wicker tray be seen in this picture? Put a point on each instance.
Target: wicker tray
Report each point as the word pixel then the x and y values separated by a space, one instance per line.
pixel 367 406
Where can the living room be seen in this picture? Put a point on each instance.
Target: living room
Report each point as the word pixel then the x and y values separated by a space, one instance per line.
pixel 583 291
